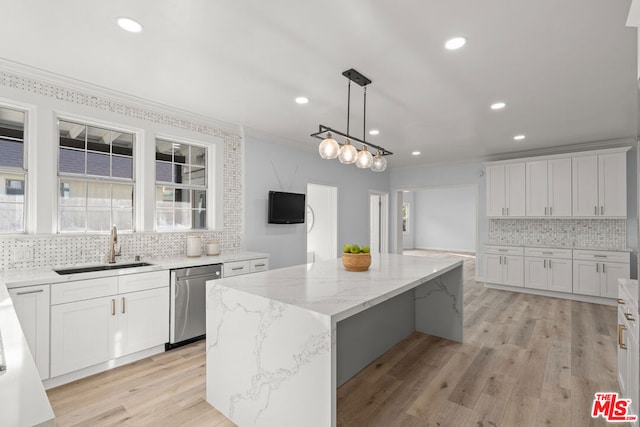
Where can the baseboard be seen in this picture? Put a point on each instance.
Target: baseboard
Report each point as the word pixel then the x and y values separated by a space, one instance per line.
pixel 101 367
pixel 554 294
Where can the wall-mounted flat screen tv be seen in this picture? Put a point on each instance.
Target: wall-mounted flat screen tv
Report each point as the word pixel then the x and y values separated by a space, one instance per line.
pixel 286 208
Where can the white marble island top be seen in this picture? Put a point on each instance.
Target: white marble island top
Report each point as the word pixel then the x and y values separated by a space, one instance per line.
pixel 327 288
pixel 280 342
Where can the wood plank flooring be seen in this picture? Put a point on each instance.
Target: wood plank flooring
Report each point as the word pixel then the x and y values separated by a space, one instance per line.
pixel 526 361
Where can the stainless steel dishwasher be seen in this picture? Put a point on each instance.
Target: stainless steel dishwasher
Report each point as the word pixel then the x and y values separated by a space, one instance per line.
pixel 188 318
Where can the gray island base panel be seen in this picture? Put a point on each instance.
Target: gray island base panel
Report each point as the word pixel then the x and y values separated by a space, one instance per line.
pixel 279 343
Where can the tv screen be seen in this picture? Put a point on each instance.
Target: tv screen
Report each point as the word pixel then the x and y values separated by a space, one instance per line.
pixel 286 208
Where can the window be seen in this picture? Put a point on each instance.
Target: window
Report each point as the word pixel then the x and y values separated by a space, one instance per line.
pixel 96 179
pixel 12 171
pixel 181 186
pixel 405 217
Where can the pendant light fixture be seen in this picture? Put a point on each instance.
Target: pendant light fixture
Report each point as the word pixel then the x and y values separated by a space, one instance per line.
pixel 329 148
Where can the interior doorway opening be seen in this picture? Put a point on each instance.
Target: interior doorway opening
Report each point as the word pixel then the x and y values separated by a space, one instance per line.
pixel 322 222
pixel 378 222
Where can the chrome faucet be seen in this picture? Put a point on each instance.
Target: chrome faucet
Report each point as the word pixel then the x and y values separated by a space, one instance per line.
pixel 112 245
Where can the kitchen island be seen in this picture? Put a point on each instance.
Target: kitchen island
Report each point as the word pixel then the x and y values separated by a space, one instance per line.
pixel 279 343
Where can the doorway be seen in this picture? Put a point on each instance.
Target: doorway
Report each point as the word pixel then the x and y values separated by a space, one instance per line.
pixel 378 222
pixel 322 222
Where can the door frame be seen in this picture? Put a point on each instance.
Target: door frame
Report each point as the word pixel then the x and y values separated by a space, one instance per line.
pixel 384 219
pixel 334 227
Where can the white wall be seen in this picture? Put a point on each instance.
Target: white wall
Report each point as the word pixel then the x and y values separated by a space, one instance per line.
pixel 445 218
pixel 272 166
pixel 408 238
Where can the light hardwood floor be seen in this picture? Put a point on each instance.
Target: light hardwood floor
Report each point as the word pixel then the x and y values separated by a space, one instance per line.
pixel 526 361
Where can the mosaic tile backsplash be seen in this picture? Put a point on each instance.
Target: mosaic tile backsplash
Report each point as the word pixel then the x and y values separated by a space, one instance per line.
pixel 35 251
pixel 581 233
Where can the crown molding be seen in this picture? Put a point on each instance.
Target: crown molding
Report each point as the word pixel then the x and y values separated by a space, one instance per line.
pixel 59 83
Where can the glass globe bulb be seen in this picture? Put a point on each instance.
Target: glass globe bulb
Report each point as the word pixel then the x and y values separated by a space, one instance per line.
pixel 329 147
pixel 365 159
pixel 379 163
pixel 348 153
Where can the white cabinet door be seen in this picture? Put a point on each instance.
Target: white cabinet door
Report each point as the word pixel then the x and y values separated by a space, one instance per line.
pixel 623 355
pixel 515 189
pixel 82 334
pixel 32 306
pixel 612 179
pixel 535 273
pixel 493 268
pixel 513 270
pixel 143 320
pixel 584 183
pixel 611 272
pixel 586 280
pixel 496 196
pixel 559 187
pixel 536 193
pixel 560 275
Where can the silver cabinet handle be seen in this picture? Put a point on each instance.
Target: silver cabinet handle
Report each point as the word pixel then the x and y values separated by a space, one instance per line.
pixel 113 307
pixel 29 292
pixel 547 253
pixel 595 210
pixel 545 263
pixel 237 268
pixel 507 211
pixel 505 260
pixel 545 210
pixel 601 210
pixel 500 259
pixel 550 211
pixel 549 264
pixel 502 211
pixel 123 309
pixel 603 268
pixel 260 265
pixel 599 256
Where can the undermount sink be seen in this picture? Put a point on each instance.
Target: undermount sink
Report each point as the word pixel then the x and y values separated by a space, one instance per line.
pixel 100 268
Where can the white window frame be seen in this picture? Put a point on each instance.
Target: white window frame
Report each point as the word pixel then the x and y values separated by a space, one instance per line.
pixel 28 196
pixel 136 161
pixel 406 215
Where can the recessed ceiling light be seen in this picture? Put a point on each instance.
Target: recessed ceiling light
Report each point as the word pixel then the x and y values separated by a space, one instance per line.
pixel 130 25
pixel 302 100
pixel 455 43
pixel 498 106
pixel 519 137
pixel 415 153
pixel 374 132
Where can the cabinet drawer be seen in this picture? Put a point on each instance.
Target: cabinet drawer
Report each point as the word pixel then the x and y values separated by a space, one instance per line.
pixel 236 268
pixel 548 253
pixel 504 250
pixel 143 281
pixel 83 289
pixel 261 264
pixel 601 256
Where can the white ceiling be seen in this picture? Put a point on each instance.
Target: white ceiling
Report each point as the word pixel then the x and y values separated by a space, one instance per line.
pixel 566 69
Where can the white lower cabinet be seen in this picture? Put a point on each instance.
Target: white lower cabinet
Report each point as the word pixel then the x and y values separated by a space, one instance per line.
pixel 597 272
pixel 548 269
pixel 628 347
pixel 32 306
pixel 503 265
pixel 89 331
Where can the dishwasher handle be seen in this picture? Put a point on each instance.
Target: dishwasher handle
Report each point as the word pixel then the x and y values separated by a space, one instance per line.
pixel 200 277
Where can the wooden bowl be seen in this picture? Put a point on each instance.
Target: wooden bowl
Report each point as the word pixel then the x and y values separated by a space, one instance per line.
pixel 356 262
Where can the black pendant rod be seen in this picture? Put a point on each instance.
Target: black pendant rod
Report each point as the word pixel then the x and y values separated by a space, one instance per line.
pixel 348 104
pixel 364 120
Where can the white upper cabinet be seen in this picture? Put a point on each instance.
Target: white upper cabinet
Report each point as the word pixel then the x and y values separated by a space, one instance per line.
pixel 600 185
pixel 506 190
pixel 548 188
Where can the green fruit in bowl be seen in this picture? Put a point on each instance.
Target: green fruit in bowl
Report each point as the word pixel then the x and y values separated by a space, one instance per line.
pixel 347 249
pixel 355 249
pixel 366 249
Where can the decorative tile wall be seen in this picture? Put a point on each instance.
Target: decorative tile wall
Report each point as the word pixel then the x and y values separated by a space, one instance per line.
pixel 580 233
pixel 35 251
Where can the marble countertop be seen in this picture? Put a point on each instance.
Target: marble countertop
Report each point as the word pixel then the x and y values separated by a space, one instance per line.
pixel 40 276
pixel 327 288
pixel 536 245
